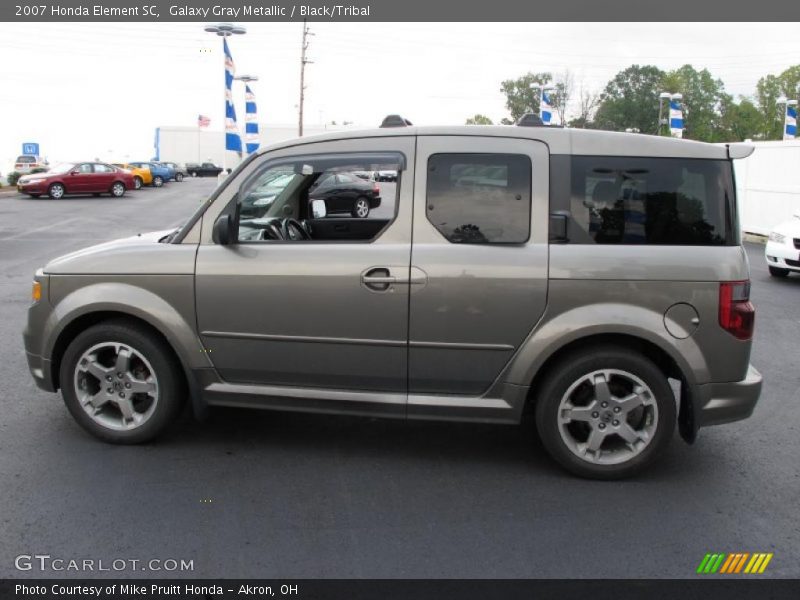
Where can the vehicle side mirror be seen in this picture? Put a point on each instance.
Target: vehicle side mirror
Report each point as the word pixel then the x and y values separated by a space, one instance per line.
pixel 224 232
pixel 318 210
pixel 558 228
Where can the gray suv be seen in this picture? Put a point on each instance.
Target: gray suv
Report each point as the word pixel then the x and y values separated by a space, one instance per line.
pixel 594 279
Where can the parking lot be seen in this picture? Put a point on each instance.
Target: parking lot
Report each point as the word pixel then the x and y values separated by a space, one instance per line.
pixel 265 494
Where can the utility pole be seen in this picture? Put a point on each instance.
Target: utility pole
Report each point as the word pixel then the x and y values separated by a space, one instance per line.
pixel 303 62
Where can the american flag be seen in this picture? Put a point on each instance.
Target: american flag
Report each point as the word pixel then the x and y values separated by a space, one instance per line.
pixel 203 121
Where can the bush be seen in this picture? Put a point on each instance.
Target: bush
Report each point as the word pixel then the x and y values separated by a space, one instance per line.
pixel 13 177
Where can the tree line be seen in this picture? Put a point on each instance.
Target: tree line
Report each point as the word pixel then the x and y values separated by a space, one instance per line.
pixel 630 100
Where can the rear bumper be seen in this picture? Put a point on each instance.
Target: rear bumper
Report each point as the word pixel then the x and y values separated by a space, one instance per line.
pixel 718 403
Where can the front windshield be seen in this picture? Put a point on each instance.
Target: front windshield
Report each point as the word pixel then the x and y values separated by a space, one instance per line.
pixel 62 167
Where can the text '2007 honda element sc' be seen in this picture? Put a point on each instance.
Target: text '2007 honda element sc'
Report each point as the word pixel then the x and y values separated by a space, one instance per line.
pixel 594 279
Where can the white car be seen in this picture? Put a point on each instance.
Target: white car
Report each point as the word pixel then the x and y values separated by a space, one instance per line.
pixel 783 248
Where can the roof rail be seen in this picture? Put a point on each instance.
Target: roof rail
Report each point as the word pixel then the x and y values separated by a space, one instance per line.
pixel 530 120
pixel 395 121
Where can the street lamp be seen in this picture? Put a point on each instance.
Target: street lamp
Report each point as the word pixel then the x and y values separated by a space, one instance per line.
pixel 665 120
pixel 225 30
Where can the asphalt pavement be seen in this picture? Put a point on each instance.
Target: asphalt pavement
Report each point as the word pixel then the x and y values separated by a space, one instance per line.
pixel 267 494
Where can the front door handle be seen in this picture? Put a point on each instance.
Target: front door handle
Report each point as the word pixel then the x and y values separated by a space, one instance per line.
pixel 378 279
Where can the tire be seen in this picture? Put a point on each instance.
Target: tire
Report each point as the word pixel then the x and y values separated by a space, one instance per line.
pixel 569 426
pixel 193 173
pixel 178 176
pixel 360 208
pixel 151 365
pixel 158 181
pixel 137 183
pixel 56 191
pixel 777 272
pixel 118 189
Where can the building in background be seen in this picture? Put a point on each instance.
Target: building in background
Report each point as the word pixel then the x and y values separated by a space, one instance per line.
pixel 193 144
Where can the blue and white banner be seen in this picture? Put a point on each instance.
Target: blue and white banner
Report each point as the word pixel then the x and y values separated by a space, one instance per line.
pixel 233 141
pixel 250 121
pixel 546 108
pixel 675 118
pixel 790 123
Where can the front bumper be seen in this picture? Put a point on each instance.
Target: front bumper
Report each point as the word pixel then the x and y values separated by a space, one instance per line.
pixel 32 188
pixel 40 369
pixel 778 254
pixel 718 403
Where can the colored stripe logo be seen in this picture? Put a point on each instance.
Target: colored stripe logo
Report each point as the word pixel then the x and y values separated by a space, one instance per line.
pixel 734 563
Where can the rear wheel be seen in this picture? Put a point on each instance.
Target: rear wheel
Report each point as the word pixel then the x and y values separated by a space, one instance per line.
pixel 777 272
pixel 56 191
pixel 178 176
pixel 605 412
pixel 137 183
pixel 118 189
pixel 158 181
pixel 361 208
pixel 121 383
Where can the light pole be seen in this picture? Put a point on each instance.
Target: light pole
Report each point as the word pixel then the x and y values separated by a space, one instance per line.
pixel 543 89
pixel 667 120
pixel 789 117
pixel 225 30
pixel 247 79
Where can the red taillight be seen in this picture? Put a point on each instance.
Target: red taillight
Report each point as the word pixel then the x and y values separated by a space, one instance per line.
pixel 736 313
pixel 376 190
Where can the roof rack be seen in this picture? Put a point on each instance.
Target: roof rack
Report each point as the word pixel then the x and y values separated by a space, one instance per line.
pixel 395 121
pixel 530 120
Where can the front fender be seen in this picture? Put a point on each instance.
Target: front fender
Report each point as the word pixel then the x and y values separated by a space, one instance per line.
pixel 170 311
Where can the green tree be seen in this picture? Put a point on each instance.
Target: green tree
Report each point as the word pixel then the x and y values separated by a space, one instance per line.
pixel 630 100
pixel 520 98
pixel 479 119
pixel 703 100
pixel 741 121
pixel 768 90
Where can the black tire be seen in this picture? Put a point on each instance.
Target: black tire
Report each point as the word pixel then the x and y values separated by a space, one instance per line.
pixel 171 387
pixel 580 363
pixel 56 191
pixel 117 189
pixel 178 176
pixel 778 272
pixel 137 183
pixel 359 206
pixel 158 181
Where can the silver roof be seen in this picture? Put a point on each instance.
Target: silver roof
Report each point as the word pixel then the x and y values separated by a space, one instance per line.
pixel 559 140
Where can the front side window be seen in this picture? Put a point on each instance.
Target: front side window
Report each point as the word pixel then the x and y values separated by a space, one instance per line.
pixel 317 198
pixel 660 201
pixel 480 198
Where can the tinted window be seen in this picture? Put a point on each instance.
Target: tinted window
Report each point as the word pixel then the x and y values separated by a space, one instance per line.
pixel 480 198
pixel 662 201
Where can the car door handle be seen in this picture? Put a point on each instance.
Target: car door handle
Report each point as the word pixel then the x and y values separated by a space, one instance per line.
pixel 378 279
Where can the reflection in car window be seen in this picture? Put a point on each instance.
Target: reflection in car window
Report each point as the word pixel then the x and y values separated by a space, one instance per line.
pixel 480 198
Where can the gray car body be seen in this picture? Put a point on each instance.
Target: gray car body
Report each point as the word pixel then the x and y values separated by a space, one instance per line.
pixel 465 333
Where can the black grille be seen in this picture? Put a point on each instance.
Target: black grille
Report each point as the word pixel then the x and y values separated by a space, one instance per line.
pixel 792 263
pixel 797 243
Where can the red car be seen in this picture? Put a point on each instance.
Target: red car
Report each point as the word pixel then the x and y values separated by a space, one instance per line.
pixel 77 178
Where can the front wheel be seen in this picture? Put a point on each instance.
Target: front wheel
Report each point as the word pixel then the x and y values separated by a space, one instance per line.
pixel 361 208
pixel 118 189
pixel 120 383
pixel 56 191
pixel 778 272
pixel 137 183
pixel 605 412
pixel 178 176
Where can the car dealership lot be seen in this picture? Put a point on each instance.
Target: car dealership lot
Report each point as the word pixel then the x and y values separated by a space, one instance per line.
pixel 265 494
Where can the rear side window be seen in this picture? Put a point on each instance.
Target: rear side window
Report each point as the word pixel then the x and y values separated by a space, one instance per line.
pixel 480 198
pixel 659 201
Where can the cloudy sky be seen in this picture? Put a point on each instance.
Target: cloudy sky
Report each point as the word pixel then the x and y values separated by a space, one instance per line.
pixel 84 90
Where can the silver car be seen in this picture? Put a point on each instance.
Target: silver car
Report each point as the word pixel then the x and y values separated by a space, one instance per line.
pixel 594 279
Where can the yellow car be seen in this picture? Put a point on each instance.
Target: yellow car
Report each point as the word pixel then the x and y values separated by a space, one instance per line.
pixel 141 175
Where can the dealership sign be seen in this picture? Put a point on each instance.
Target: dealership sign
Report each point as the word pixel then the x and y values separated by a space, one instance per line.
pixel 30 148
